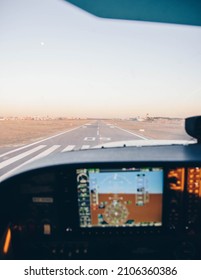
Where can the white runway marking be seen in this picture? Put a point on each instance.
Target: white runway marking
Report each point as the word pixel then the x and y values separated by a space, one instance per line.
pixel 68 148
pixel 20 156
pixel 41 155
pixel 29 145
pixel 133 133
pixel 105 138
pixel 89 138
pixel 45 153
pixel 85 147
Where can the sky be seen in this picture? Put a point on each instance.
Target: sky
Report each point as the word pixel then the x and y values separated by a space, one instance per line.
pixel 58 60
pixel 128 182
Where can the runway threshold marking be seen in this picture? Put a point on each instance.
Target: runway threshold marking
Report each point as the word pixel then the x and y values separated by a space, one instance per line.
pixel 41 155
pixel 68 148
pixel 37 142
pixel 45 153
pixel 85 147
pixel 20 156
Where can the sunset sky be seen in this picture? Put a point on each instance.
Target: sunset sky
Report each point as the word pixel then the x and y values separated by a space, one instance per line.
pixel 58 60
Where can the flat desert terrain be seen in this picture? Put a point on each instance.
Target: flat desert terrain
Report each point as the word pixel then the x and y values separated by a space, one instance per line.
pixel 20 132
pixel 162 129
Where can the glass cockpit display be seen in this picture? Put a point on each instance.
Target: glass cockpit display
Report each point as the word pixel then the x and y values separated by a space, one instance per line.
pixel 120 198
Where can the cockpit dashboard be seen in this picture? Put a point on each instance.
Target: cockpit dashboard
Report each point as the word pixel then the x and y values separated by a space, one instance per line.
pixel 112 203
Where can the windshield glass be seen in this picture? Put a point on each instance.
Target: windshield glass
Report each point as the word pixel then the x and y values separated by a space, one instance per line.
pixel 70 80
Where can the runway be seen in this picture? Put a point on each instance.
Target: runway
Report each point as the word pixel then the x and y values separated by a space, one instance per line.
pixel 89 135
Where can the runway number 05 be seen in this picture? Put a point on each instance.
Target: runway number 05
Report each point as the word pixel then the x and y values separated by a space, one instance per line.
pixel 147 271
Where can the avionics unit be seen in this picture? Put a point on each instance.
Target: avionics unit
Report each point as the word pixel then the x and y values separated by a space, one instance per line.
pixel 127 197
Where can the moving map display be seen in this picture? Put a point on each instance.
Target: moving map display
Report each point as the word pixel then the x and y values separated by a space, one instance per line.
pixel 120 198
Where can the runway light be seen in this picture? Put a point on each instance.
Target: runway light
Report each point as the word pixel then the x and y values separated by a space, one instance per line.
pixel 7 242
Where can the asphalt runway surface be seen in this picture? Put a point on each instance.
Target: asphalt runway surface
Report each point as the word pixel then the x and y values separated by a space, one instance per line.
pixel 89 135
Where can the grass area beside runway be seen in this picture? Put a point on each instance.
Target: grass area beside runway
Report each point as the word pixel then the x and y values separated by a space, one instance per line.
pixel 20 132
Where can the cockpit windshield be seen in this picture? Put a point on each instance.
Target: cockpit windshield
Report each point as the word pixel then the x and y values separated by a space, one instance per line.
pixel 71 80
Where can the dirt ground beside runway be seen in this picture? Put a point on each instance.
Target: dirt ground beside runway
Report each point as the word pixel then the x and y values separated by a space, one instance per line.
pixel 163 129
pixel 20 132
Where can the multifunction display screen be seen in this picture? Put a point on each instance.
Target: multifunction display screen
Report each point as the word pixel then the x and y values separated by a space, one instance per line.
pixel 127 197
